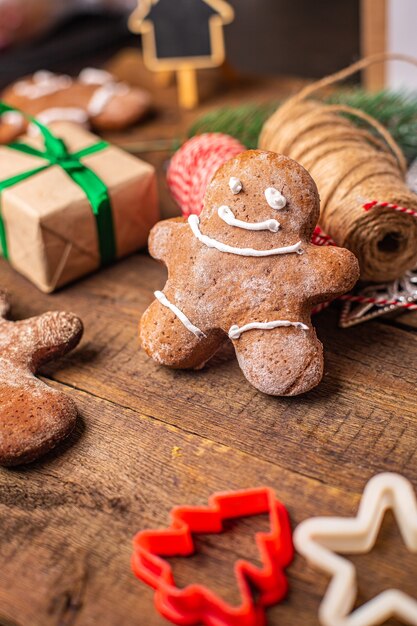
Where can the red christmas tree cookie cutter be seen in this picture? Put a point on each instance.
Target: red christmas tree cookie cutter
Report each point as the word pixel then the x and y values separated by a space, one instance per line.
pixel 196 604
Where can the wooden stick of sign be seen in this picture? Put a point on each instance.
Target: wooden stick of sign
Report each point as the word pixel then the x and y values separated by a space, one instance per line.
pixel 182 37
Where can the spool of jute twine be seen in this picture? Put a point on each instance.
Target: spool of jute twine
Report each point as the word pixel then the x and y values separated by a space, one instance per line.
pixel 352 167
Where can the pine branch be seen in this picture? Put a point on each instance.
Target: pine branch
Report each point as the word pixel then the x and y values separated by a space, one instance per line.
pixel 395 110
pixel 243 122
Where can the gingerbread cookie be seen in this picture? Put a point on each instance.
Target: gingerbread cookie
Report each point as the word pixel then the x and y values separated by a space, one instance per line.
pixel 245 268
pixel 95 98
pixel 12 124
pixel 33 417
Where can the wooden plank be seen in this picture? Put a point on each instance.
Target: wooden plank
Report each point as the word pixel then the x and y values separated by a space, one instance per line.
pixel 374 40
pixel 149 438
pixel 66 522
pixel 406 320
pixel 365 402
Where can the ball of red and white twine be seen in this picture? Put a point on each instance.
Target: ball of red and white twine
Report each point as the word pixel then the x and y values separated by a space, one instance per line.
pixel 193 166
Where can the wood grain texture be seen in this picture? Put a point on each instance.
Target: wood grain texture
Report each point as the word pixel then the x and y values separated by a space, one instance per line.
pixel 149 438
pixel 374 40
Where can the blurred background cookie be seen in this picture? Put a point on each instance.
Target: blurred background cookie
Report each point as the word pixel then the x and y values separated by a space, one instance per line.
pixel 95 97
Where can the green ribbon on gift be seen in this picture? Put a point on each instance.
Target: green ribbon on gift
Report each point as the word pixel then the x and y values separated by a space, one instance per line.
pixel 56 153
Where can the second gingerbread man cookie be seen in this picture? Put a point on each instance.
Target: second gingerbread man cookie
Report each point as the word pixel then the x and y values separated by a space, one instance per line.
pixel 34 418
pixel 246 269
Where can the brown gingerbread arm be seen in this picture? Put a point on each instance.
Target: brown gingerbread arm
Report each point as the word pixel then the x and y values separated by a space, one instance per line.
pixel 163 236
pixel 330 272
pixel 48 336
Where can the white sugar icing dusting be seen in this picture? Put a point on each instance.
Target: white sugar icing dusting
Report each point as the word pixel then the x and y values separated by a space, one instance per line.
pixel 43 83
pixel 67 114
pixel 275 199
pixel 108 88
pixel 236 331
pixel 235 185
pixel 181 316
pixel 226 214
pixel 13 118
pixel 102 96
pixel 94 76
pixel 194 223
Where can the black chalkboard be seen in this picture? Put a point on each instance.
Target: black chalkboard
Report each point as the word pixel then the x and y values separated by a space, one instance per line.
pixel 182 36
pixel 181 28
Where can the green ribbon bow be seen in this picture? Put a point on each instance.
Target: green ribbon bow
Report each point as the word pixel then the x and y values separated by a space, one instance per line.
pixel 56 153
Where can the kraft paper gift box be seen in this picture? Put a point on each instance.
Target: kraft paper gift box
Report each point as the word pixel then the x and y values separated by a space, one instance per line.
pixel 50 233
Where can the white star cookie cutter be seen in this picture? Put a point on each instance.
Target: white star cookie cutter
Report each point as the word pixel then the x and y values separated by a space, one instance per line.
pixel 318 539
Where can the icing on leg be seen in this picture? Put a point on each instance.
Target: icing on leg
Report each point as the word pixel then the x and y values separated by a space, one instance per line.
pixel 165 338
pixel 181 316
pixel 236 331
pixel 281 364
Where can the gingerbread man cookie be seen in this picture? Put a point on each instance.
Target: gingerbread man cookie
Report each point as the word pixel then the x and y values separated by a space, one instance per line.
pixel 245 268
pixel 95 98
pixel 33 417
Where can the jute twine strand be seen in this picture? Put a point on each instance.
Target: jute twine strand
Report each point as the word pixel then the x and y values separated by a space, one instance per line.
pixel 351 166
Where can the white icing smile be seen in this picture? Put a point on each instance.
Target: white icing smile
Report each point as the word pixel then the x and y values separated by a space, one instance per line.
pixel 226 214
pixel 235 331
pixel 235 185
pixel 275 199
pixel 181 316
pixel 194 223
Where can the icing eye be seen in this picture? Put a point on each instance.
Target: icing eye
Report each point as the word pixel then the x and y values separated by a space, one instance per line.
pixel 275 199
pixel 235 185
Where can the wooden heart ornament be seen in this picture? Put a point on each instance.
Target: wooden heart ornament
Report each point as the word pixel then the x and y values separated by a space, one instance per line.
pixel 33 417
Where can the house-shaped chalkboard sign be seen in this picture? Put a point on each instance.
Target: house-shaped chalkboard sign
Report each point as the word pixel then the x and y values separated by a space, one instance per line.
pixel 182 35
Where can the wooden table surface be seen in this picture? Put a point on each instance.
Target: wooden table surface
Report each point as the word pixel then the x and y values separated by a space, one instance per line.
pixel 149 438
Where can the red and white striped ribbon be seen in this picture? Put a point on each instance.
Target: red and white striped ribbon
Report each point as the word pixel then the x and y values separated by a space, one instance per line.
pixel 378 301
pixel 389 205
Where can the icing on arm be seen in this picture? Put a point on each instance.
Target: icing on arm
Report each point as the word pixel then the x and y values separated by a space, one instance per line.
pixel 94 76
pixel 235 331
pixel 43 83
pixel 60 114
pixel 226 214
pixel 13 118
pixel 107 88
pixel 194 223
pixel 102 96
pixel 181 316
